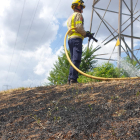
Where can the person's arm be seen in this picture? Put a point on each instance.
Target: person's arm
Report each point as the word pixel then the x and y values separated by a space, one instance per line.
pixel 79 24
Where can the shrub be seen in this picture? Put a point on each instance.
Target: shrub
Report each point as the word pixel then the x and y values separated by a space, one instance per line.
pixel 107 70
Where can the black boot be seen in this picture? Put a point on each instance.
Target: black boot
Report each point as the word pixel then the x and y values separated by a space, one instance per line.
pixel 72 81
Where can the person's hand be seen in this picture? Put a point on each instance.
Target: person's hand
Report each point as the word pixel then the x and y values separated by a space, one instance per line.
pixel 88 34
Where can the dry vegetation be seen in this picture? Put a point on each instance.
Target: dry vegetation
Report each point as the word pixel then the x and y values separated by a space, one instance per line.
pixel 94 111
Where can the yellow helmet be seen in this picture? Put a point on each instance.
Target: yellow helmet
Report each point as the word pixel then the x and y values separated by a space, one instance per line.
pixel 77 3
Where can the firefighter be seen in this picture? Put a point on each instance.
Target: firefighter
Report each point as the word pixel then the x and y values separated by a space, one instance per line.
pixel 75 38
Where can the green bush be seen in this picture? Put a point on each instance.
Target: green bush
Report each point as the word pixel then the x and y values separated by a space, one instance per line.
pixel 107 70
pixel 84 79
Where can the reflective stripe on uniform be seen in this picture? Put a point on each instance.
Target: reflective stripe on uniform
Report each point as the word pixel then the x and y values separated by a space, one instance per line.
pixel 72 22
pixel 72 26
pixel 78 22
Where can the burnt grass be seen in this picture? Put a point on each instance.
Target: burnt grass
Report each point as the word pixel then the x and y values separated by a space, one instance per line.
pixel 94 111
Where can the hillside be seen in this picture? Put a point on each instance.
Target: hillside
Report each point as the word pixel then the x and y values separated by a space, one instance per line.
pixel 95 111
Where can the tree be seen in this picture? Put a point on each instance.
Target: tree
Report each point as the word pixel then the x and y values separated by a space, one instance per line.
pixel 88 61
pixel 59 74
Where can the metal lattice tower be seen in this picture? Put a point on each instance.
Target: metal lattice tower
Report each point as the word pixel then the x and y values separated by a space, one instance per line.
pixel 120 36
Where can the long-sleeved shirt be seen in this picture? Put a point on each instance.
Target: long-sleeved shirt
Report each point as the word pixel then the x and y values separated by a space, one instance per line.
pixel 77 19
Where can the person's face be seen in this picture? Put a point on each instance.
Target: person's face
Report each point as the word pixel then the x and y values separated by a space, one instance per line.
pixel 80 8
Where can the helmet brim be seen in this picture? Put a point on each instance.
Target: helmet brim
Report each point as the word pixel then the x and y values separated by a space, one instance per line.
pixel 75 5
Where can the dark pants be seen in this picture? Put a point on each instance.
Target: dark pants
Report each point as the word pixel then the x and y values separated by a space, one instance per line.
pixel 75 46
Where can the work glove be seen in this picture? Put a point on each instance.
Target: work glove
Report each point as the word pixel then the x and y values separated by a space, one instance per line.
pixel 89 34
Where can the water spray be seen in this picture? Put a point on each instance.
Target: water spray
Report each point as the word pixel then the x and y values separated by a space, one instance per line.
pixel 131 70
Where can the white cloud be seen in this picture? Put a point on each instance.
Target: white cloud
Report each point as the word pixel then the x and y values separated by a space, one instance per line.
pixel 39 70
pixel 46 59
pixel 65 23
pixel 4 4
pixel 32 65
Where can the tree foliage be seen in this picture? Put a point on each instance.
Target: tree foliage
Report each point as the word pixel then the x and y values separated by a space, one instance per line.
pixel 107 70
pixel 60 71
pixel 88 61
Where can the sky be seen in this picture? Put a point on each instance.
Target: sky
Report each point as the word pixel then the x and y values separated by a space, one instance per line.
pixel 32 36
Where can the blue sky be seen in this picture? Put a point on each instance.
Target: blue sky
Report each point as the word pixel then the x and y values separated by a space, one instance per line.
pixel 32 37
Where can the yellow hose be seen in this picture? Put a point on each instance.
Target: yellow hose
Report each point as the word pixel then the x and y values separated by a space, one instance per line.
pixel 87 75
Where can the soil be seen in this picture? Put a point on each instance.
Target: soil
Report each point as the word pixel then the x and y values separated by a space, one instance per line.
pixel 94 111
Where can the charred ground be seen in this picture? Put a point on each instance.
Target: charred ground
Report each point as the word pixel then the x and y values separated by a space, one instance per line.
pixel 95 111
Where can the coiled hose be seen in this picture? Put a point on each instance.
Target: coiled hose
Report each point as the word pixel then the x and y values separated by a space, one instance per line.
pixel 87 75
